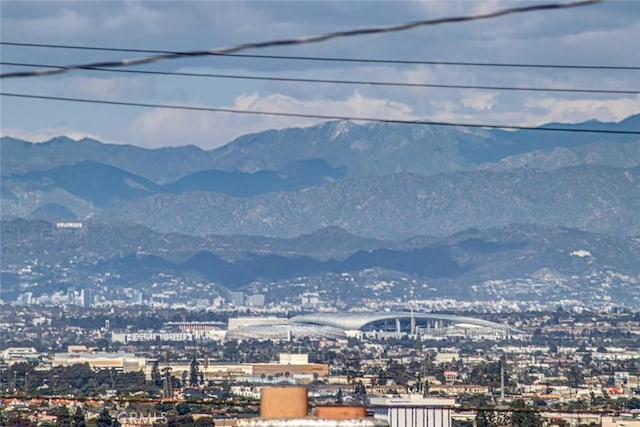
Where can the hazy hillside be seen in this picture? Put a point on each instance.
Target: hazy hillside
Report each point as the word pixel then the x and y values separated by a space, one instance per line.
pixel 387 181
pixel 99 184
pixel 593 198
pixel 621 155
pixel 158 165
pixel 300 174
pixel 519 260
pixel 382 148
pixel 82 189
pixel 364 149
pixel 25 239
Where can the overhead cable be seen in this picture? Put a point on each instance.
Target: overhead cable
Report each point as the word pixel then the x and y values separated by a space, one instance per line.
pixel 320 116
pixel 340 59
pixel 307 40
pixel 335 81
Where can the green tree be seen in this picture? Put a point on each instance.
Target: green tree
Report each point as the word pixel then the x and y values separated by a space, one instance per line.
pixel 382 378
pixel 183 408
pixel 575 376
pixel 523 416
pixel 204 422
pixel 156 376
pixel 486 418
pixel 63 417
pixel 633 403
pixel 105 419
pixel 78 418
pixel 15 420
pixel 193 372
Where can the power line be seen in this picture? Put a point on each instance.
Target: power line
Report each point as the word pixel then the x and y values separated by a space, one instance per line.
pixel 319 116
pixel 334 81
pixel 310 39
pixel 337 59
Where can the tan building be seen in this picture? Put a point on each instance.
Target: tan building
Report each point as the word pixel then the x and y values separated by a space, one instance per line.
pixel 572 419
pixel 11 355
pixel 458 389
pixel 621 421
pixel 277 369
pixel 241 322
pixel 293 359
pixel 125 362
pixel 413 410
pixel 210 371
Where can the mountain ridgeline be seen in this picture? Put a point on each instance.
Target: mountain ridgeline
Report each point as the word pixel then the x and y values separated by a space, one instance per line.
pixel 103 185
pixel 380 209
pixel 381 181
pixel 534 261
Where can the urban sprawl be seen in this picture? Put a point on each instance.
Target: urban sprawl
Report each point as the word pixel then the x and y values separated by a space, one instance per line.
pixel 77 361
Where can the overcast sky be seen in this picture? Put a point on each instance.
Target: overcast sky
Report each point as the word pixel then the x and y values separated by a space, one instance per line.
pixel 606 34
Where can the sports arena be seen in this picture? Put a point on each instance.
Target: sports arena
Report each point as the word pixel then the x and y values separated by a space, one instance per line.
pixel 337 325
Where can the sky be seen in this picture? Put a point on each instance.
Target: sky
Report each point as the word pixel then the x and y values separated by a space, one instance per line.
pixel 601 34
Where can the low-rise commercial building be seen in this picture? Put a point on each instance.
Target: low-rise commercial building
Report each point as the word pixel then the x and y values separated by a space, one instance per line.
pixel 125 362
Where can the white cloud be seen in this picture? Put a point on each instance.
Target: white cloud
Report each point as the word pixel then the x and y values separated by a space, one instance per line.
pixel 64 23
pixel 419 74
pixel 576 110
pixel 440 8
pixel 598 34
pixel 162 127
pixel 486 6
pixel 131 89
pixel 479 101
pixel 136 15
pixel 583 38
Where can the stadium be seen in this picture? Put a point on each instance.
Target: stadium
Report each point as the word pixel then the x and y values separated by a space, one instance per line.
pixel 285 332
pixel 375 325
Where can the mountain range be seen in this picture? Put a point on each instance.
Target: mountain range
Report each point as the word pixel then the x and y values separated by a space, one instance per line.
pixel 461 264
pixel 388 181
pixel 97 185
pixel 363 149
pixel 475 213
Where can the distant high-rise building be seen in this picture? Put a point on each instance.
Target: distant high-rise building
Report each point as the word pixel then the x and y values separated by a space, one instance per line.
pixel 256 300
pixel 236 298
pixel 25 298
pixel 86 296
pixel 136 297
pixel 71 296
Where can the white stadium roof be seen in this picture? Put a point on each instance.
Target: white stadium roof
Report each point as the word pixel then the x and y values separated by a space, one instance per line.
pixel 356 321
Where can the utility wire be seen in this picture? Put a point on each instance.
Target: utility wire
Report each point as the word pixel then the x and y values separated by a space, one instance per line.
pixel 334 81
pixel 307 40
pixel 339 59
pixel 319 116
